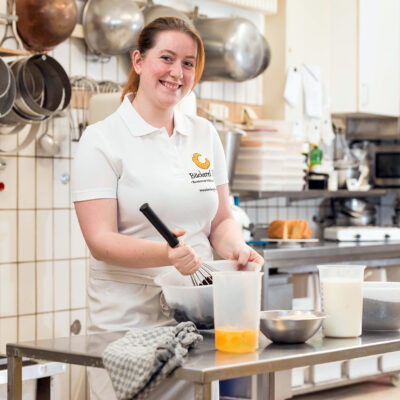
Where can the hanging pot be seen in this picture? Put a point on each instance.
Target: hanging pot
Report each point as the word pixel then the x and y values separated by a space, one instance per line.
pixel 7 81
pixel 43 88
pixel 111 27
pixel 235 49
pixel 43 24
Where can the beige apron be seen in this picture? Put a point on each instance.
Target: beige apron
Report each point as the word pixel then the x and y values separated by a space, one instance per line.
pixel 116 305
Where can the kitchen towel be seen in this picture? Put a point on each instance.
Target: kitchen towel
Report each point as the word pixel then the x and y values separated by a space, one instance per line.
pixel 139 361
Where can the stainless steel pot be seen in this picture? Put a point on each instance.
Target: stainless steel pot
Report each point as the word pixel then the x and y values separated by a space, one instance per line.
pixel 235 49
pixel 5 79
pixel 8 98
pixel 43 24
pixel 230 138
pixel 111 27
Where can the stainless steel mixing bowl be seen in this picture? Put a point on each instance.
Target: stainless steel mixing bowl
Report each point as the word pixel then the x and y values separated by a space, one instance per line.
pixel 290 330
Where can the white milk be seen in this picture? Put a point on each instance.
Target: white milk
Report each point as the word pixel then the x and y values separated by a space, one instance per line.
pixel 342 301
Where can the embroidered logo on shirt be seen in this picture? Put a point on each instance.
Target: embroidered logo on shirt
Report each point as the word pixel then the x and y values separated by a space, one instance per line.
pixel 202 165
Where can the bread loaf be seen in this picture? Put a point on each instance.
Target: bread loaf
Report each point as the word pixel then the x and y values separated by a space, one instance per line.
pixel 289 229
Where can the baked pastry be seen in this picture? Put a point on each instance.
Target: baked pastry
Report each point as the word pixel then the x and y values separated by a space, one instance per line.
pixel 289 229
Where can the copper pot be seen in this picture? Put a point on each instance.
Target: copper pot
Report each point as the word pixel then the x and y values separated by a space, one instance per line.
pixel 43 24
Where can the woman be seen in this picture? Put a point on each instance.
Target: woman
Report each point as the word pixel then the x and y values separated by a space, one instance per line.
pixel 148 152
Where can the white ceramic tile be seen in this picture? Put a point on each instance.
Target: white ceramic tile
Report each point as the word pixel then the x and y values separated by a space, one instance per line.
pixel 123 68
pixel 26 288
pixel 93 68
pixel 44 182
pixel 44 327
pixel 78 382
pixel 61 234
pixel 78 245
pixel 61 285
pixel 26 328
pixel 8 332
pixel 8 236
pixel 44 234
pixel 61 134
pixel 26 235
pixel 251 91
pixel 61 324
pixel 110 69
pixel 8 176
pixel 44 286
pixel 26 182
pixel 78 283
pixel 30 149
pixel 229 91
pixel 8 289
pixel 60 385
pixel 79 315
pixel 205 89
pixel 8 142
pixel 240 92
pixel 260 90
pixel 61 198
pixel 61 54
pixel 217 91
pixel 77 56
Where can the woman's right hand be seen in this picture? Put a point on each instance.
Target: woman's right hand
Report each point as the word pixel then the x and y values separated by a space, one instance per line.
pixel 183 257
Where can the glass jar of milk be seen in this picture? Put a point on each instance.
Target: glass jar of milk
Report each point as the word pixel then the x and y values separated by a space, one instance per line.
pixel 342 299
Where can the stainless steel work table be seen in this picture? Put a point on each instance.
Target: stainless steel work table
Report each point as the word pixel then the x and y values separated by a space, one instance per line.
pixel 204 364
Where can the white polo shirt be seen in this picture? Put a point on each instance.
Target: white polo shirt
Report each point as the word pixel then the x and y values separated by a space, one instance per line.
pixel 125 158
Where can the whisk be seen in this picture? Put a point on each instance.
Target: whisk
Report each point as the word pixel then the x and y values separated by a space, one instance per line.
pixel 202 276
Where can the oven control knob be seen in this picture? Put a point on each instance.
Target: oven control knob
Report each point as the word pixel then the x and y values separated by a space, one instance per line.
pixel 387 236
pixel 357 236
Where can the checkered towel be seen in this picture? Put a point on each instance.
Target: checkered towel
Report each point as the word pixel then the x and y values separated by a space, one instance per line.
pixel 139 361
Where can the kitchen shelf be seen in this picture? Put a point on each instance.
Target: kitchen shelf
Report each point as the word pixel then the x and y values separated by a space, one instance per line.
pixel 12 52
pixel 309 194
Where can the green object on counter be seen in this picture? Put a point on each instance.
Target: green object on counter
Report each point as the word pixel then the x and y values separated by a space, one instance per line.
pixel 315 156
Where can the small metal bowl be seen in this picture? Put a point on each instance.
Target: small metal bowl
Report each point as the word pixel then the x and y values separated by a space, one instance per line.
pixel 276 326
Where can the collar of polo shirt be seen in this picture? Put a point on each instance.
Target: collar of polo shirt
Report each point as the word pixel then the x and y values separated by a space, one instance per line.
pixel 139 127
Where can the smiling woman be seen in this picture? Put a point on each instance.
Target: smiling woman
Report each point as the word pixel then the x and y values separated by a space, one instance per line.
pixel 149 152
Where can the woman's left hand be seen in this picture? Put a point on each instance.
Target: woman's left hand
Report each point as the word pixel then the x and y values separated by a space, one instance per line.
pixel 244 254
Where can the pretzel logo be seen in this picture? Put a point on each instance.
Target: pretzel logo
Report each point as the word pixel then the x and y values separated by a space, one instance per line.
pixel 202 165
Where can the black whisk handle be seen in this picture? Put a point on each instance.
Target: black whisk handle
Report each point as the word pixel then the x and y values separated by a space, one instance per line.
pixel 148 212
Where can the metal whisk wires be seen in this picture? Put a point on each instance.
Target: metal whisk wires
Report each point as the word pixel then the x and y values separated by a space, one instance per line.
pixel 203 276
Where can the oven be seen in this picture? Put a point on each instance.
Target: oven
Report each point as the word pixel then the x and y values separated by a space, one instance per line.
pixel 385 165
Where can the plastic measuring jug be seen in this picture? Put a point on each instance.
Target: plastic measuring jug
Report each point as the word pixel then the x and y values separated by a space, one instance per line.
pixel 237 304
pixel 342 299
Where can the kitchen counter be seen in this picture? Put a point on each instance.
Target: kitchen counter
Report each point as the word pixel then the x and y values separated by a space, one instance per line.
pixel 324 252
pixel 204 364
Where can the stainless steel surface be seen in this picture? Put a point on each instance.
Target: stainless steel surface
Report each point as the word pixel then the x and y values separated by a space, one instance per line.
pixel 290 330
pixel 8 97
pixel 309 194
pixel 43 24
pixel 5 80
pixel 235 50
pixel 205 364
pixel 230 139
pixel 372 128
pixel 111 28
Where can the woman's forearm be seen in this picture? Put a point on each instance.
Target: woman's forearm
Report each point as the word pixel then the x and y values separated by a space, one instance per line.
pixel 118 249
pixel 226 237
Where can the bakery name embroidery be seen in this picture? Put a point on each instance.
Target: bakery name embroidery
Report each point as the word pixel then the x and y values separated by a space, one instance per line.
pixel 203 177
